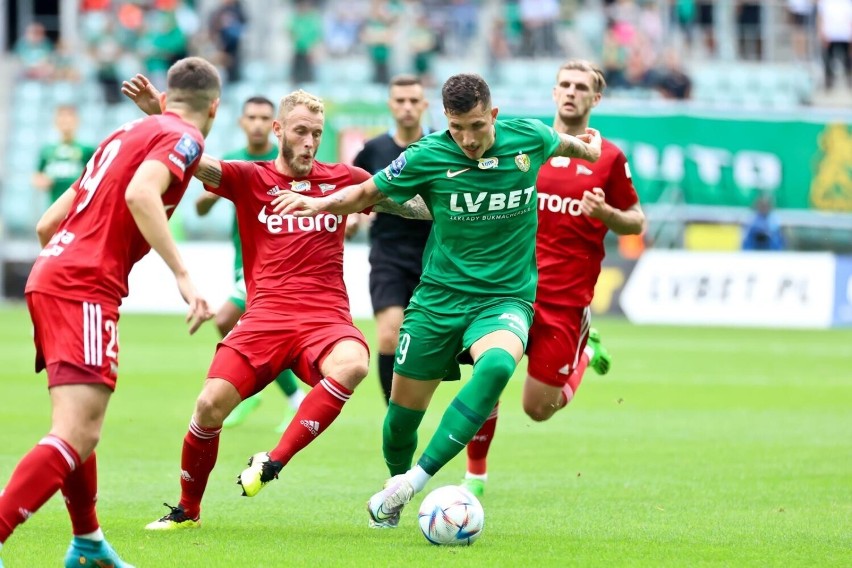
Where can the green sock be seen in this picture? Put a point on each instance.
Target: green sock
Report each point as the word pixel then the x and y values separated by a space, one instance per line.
pixel 287 382
pixel 468 411
pixel 399 437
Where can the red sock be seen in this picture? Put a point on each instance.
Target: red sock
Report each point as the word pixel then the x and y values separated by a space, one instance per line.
pixel 316 413
pixel 477 448
pixel 37 477
pixel 81 493
pixel 574 379
pixel 200 450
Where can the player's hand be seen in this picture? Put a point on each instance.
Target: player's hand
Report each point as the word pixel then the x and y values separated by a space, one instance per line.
pixel 593 203
pixel 290 203
pixel 353 223
pixel 199 310
pixel 145 95
pixel 592 137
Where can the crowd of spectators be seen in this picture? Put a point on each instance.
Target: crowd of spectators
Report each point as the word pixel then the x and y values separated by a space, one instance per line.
pixel 642 44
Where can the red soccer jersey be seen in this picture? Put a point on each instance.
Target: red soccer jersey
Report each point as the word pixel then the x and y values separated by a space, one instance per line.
pixel 90 256
pixel 569 247
pixel 293 266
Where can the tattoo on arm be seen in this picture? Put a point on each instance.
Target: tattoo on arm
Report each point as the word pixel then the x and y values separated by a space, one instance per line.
pixel 209 172
pixel 414 208
pixel 570 146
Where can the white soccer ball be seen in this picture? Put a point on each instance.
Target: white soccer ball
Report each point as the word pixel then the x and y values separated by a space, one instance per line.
pixel 451 515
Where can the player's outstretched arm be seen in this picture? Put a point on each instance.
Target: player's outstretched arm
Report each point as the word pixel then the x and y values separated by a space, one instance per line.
pixel 205 203
pixel 144 200
pixel 414 208
pixel 585 146
pixel 350 199
pixel 50 220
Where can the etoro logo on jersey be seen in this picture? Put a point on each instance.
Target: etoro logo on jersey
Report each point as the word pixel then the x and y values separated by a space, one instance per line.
pixel 558 204
pixel 276 223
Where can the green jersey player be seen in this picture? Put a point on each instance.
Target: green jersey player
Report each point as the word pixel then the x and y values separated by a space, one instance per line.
pixel 474 302
pixel 256 121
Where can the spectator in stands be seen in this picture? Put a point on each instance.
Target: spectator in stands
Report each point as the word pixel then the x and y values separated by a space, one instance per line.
pixel 672 82
pixel 306 32
pixel 749 33
pixel 227 24
pixel 62 162
pixel 834 25
pixel 162 44
pixel 379 38
pixel 105 50
pixel 422 45
pixel 35 53
pixel 616 50
pixel 800 13
pixel 763 232
pixel 540 19
pixel 64 62
pixel 705 21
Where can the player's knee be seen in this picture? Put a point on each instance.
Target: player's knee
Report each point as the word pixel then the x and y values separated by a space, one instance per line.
pixel 497 364
pixel 388 342
pixel 210 411
pixel 538 411
pixel 350 374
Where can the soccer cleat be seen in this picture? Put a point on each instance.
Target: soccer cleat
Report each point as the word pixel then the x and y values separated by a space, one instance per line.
pixel 475 485
pixel 84 553
pixel 239 414
pixel 175 520
pixel 260 471
pixel 601 360
pixel 386 505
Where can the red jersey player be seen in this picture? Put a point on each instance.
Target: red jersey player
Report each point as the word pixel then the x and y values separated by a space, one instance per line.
pixel 578 202
pixel 297 315
pixel 92 236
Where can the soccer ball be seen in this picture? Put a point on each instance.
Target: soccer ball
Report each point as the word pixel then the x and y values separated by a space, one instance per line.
pixel 451 515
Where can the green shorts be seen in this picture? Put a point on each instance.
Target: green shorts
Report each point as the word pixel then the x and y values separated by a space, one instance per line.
pixel 440 326
pixel 238 296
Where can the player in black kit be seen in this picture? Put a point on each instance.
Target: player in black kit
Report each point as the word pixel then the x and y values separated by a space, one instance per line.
pixel 396 244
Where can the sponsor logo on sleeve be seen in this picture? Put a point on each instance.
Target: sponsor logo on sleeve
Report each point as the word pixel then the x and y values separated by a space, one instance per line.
pixel 177 161
pixel 395 168
pixel 188 148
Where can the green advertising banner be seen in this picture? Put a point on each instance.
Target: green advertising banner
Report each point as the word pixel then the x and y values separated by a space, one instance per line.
pixel 696 159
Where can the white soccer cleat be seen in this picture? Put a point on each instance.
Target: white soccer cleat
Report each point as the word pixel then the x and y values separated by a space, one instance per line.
pixel 386 505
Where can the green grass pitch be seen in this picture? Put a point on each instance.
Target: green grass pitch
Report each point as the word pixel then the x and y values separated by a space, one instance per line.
pixel 702 447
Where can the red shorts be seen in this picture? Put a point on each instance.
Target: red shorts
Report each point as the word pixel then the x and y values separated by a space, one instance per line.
pixel 77 342
pixel 557 338
pixel 261 346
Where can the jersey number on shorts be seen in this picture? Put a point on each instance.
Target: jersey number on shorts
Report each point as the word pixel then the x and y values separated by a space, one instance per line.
pixel 95 174
pixel 404 342
pixel 93 328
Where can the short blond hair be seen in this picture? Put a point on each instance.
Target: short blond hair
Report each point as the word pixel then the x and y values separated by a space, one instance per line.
pixel 300 98
pixel 598 81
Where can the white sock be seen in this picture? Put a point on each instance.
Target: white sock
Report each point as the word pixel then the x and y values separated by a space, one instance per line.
pixel 590 353
pixel 96 536
pixel 482 476
pixel 296 399
pixel 418 478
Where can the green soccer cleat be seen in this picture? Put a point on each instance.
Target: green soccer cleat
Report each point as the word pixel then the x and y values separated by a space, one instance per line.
pixel 176 519
pixel 241 412
pixel 260 471
pixel 601 361
pixel 84 553
pixel 474 485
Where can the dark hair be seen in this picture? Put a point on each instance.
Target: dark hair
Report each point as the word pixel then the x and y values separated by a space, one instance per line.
pixel 405 80
pixel 258 100
pixel 463 92
pixel 193 82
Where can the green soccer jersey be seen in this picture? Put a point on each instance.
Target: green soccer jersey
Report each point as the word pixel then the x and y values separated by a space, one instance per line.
pixel 244 155
pixel 63 163
pixel 483 235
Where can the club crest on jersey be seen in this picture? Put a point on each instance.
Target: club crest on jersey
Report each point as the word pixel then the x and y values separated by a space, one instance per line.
pixel 188 148
pixel 273 191
pixel 523 162
pixel 583 170
pixel 560 161
pixel 487 163
pixel 326 187
pixel 300 186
